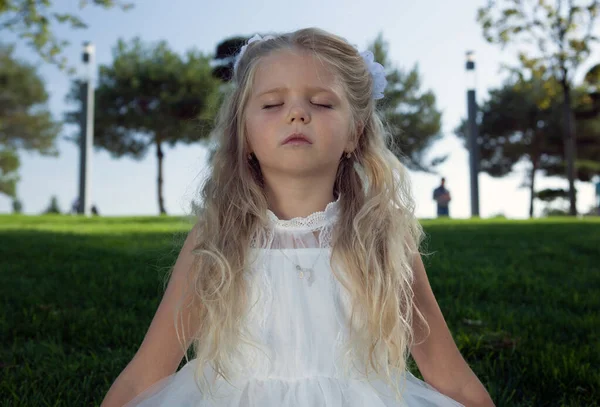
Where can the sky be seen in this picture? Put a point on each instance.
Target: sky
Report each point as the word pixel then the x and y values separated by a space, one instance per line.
pixel 433 34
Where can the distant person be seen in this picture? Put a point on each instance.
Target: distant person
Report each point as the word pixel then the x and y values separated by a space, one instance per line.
pixel 95 211
pixel 442 196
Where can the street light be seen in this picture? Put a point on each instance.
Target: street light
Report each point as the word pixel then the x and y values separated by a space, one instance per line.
pixel 473 145
pixel 470 70
pixel 87 131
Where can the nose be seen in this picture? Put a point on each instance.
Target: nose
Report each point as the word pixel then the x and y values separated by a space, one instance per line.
pixel 298 114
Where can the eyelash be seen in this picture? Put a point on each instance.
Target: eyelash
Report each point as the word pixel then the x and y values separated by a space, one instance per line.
pixel 315 104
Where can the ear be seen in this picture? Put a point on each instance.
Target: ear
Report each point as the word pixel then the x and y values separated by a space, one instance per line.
pixel 354 137
pixel 360 127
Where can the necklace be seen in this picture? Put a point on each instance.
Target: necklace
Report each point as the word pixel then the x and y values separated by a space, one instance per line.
pixel 309 273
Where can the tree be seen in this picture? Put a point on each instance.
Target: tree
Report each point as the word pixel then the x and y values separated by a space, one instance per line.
pixel 591 81
pixel 9 164
pixel 224 58
pixel 410 112
pixel 521 121
pixel 31 20
pixel 25 122
pixel 53 207
pixel 17 206
pixel 587 145
pixel 553 199
pixel 150 96
pixel 562 34
pixel 513 126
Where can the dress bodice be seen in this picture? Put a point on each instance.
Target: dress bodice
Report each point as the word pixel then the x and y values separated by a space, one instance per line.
pixel 298 306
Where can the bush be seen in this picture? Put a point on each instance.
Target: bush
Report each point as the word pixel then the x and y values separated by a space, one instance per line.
pixel 17 206
pixel 53 207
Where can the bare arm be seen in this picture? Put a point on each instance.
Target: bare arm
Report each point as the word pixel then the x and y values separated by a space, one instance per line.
pixel 438 358
pixel 160 353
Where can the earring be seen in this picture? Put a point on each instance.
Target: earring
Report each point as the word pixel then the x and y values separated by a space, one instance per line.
pixel 250 157
pixel 348 155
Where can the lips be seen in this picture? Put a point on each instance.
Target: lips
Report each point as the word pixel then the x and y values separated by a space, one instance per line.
pixel 297 138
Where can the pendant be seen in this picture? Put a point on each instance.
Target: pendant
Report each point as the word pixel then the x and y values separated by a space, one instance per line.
pixel 309 273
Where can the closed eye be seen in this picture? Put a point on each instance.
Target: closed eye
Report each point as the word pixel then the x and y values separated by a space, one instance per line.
pixel 315 104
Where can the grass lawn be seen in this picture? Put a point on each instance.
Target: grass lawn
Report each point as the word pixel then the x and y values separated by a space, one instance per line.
pixel 522 299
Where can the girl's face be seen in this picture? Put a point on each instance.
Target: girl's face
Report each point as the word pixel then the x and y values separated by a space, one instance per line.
pixel 294 93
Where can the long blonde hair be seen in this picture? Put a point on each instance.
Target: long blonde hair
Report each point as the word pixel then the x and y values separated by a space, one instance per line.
pixel 374 241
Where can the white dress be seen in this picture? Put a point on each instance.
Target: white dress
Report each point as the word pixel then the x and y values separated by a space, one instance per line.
pixel 299 323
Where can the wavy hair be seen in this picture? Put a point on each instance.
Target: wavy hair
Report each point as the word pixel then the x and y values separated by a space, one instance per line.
pixel 373 245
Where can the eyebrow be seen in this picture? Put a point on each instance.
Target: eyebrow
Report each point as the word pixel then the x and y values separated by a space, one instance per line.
pixel 310 88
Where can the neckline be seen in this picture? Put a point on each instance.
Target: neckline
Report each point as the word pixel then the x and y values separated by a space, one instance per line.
pixel 314 221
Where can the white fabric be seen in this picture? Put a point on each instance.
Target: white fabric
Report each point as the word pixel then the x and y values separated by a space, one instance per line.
pixel 300 329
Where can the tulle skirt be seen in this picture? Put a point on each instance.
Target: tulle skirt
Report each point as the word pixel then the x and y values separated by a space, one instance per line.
pixel 180 390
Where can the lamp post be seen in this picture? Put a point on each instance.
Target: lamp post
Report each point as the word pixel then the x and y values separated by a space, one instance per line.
pixel 473 145
pixel 87 131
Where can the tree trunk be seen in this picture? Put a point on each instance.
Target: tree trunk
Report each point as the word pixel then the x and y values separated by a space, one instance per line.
pixel 159 156
pixel 534 162
pixel 569 140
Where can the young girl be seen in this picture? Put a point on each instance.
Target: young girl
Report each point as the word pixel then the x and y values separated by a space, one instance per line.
pixel 301 283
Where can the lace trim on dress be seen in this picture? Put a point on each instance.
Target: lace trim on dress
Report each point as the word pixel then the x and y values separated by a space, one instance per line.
pixel 318 224
pixel 313 221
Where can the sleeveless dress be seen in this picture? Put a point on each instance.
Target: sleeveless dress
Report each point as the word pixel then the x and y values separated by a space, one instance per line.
pixel 297 318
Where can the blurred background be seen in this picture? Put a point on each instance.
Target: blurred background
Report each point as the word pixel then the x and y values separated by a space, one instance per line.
pixel 154 63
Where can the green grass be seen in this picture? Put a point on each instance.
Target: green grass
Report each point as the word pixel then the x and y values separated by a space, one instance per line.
pixel 77 295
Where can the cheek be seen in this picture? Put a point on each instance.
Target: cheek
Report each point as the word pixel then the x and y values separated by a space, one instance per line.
pixel 340 130
pixel 252 127
pixel 257 133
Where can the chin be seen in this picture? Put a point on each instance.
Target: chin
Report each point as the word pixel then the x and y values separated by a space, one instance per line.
pixel 295 168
